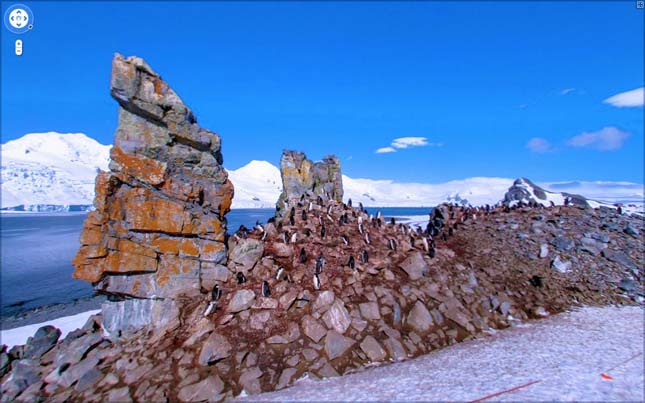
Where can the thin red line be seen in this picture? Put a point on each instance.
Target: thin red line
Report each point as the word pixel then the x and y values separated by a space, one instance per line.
pixel 618 365
pixel 504 391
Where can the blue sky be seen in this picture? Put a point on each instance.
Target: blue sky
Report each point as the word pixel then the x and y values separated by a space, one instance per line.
pixel 496 89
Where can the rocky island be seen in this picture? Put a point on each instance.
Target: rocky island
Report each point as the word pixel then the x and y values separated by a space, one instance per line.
pixel 199 313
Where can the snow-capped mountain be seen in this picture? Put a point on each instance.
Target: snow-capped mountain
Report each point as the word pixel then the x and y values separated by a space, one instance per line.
pixel 51 169
pixel 59 169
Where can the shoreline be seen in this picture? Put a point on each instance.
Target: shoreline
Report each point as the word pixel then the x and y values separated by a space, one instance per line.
pixel 50 312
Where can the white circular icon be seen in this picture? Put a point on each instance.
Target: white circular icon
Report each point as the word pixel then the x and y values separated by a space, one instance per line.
pixel 18 18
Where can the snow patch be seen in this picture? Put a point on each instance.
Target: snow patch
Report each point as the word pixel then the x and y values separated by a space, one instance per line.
pixel 19 335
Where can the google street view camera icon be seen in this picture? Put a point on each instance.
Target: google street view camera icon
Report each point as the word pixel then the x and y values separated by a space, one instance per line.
pixel 19 19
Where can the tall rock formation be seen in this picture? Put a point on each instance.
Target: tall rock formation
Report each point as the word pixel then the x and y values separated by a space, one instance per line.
pixel 301 176
pixel 158 230
pixel 525 191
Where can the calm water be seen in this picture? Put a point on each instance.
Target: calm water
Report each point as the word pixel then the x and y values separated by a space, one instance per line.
pixel 37 251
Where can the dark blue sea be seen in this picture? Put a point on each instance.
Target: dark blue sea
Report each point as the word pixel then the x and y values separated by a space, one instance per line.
pixel 37 251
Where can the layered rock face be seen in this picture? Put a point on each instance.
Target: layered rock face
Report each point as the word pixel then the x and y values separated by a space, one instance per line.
pixel 158 230
pixel 301 176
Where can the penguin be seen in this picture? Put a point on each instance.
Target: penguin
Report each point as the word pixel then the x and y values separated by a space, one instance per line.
pixel 265 289
pixel 351 263
pixel 431 253
pixel 360 228
pixel 302 197
pixel 392 221
pixel 329 209
pixel 216 293
pixel 322 231
pixel 294 237
pixel 349 202
pixel 619 210
pixel 320 200
pixel 292 212
pixel 536 281
pixel 286 237
pixel 292 220
pixel 264 235
pixel 360 206
pixel 425 244
pixel 241 278
pixel 392 244
pixel 304 215
pixel 367 238
pixel 360 219
pixel 311 205
pixel 306 232
pixel 316 282
pixel 259 226
pixel 378 215
pixel 329 218
pixel 281 274
pixel 320 221
pixel 320 263
pixel 365 257
pixel 344 239
pixel 303 255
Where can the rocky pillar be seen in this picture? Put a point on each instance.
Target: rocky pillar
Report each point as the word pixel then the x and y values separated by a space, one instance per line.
pixel 158 229
pixel 302 176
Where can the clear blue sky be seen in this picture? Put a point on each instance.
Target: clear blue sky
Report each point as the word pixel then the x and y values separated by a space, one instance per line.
pixel 482 79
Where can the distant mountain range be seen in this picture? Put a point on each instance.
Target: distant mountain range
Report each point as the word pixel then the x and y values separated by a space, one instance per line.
pixel 54 171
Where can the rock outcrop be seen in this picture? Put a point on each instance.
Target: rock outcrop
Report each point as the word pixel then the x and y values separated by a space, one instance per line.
pixel 527 192
pixel 301 176
pixel 159 226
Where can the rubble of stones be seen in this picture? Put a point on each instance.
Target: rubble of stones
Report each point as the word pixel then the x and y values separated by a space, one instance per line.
pixel 406 292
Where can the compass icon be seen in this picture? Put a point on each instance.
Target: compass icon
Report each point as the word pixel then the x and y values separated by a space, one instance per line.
pixel 19 19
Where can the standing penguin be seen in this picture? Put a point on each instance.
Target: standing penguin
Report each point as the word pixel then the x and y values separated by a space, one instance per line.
pixel 323 231
pixel 304 215
pixel 392 221
pixel 303 255
pixel 392 244
pixel 265 289
pixel 351 263
pixel 344 239
pixel 349 202
pixel 431 253
pixel 364 256
pixel 241 278
pixel 316 282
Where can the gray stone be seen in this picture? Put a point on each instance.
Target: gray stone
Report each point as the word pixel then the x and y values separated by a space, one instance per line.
pixel 336 344
pixel 244 254
pixel 250 381
pixel 119 395
pixel 628 285
pixel 208 389
pixel 310 354
pixel 77 349
pixel 419 318
pixel 286 377
pixel 211 274
pixel 4 363
pixel 287 299
pixel 241 301
pixel 414 266
pixel 563 244
pixel 373 349
pixel 327 371
pixel 396 349
pixel 76 371
pixel 620 258
pixel 215 348
pixel 631 230
pixel 324 301
pixel 370 310
pixel 560 266
pixel 337 317
pixel 258 320
pixel 44 339
pixel 24 373
pixel 88 379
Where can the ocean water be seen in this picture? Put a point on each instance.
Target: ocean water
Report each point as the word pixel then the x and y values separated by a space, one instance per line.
pixel 36 252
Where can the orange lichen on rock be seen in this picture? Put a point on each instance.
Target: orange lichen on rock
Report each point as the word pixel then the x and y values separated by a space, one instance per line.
pixel 160 209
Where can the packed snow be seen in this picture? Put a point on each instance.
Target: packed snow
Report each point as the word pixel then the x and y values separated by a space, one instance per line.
pixel 59 169
pixel 560 358
pixel 19 335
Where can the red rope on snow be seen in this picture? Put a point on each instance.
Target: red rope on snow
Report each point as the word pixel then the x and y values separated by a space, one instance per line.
pixel 504 391
pixel 608 377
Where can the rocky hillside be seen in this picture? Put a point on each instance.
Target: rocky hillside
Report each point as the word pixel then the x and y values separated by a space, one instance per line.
pixel 321 290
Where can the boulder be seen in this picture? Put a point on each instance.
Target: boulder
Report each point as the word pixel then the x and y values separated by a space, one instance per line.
pixel 414 266
pixel 336 344
pixel 244 254
pixel 241 301
pixel 419 318
pixel 44 339
pixel 208 389
pixel 215 348
pixel 337 317
pixel 373 349
pixel 313 329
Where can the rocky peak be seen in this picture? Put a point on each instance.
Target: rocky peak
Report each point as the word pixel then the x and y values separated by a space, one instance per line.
pixel 525 191
pixel 158 230
pixel 302 176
